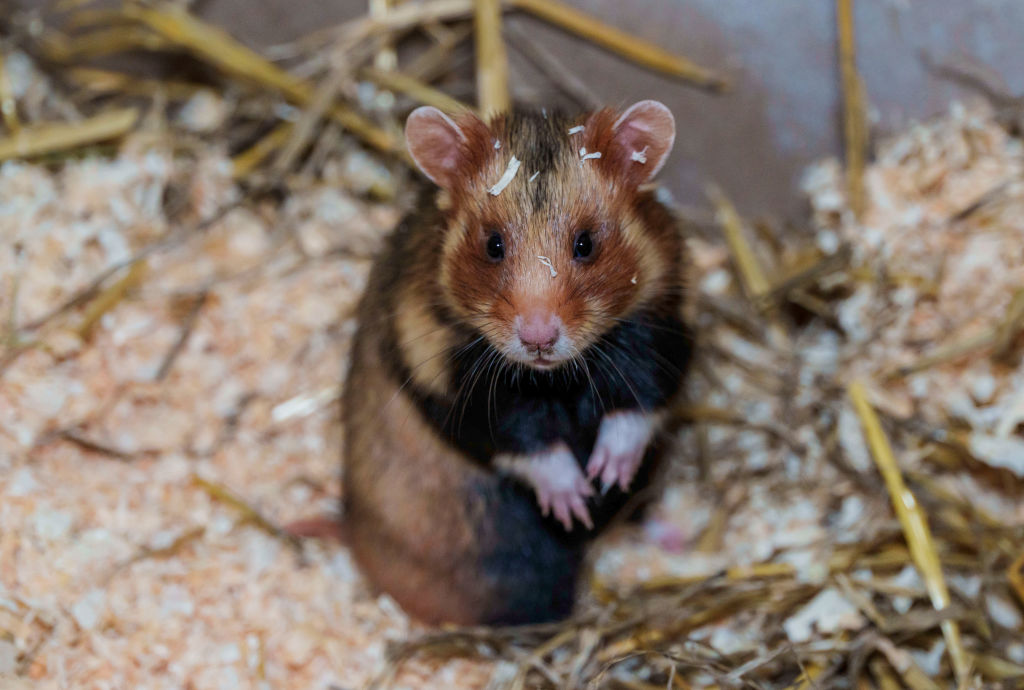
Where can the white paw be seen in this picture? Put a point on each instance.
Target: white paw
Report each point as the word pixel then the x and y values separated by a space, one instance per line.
pixel 557 480
pixel 621 443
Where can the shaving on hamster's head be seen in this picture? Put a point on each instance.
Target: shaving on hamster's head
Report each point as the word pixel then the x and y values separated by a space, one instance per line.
pixel 547 242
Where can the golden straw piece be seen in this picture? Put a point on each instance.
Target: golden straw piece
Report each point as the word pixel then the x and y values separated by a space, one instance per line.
pixel 1015 574
pixel 8 106
pixel 904 664
pixel 107 81
pixel 415 89
pixel 109 298
pixel 413 14
pixel 855 130
pixel 754 281
pixel 246 161
pixel 806 679
pixel 37 140
pixel 618 41
pixel 491 60
pixel 249 514
pixel 885 678
pixel 914 522
pixel 103 42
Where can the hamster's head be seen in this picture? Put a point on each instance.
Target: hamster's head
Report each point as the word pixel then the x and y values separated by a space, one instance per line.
pixel 547 245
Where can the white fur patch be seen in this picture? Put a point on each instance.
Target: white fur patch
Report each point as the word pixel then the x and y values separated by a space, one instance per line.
pixel 557 480
pixel 621 443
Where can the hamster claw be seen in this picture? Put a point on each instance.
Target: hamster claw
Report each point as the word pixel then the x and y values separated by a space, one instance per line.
pixel 619 451
pixel 558 482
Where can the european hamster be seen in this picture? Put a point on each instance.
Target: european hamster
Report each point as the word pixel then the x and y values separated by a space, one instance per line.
pixel 520 342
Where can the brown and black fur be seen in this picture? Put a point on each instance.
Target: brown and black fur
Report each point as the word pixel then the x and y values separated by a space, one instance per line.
pixel 429 400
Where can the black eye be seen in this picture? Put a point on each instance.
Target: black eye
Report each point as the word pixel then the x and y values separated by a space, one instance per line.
pixel 583 246
pixel 495 247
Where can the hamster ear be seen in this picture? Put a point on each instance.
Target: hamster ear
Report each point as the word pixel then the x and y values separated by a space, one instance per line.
pixel 435 143
pixel 643 137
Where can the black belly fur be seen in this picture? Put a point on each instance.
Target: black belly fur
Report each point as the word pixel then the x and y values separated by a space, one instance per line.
pixel 532 563
pixel 639 365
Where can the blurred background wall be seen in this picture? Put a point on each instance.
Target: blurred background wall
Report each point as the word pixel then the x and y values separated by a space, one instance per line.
pixel 783 109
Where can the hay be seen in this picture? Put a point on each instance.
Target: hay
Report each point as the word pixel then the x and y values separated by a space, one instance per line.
pixel 176 305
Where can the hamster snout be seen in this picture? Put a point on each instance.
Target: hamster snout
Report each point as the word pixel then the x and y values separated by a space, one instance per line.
pixel 543 342
pixel 539 331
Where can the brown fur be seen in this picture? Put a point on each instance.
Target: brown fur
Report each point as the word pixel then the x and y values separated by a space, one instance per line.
pixel 633 236
pixel 412 502
pixel 408 543
pixel 423 342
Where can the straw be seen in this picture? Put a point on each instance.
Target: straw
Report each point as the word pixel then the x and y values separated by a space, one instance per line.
pixel 914 522
pixel 37 140
pixel 414 89
pixel 635 49
pixel 491 60
pixel 855 131
pixel 229 55
pixel 109 298
pixel 8 106
pixel 754 281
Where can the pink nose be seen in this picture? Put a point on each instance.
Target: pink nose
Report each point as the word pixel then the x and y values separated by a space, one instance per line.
pixel 539 331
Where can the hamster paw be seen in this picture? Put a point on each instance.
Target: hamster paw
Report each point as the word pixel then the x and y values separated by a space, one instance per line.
pixel 557 480
pixel 621 442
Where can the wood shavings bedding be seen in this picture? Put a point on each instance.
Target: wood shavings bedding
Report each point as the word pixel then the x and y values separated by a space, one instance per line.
pixel 233 606
pixel 250 404
pixel 957 277
pixel 506 177
pixel 945 222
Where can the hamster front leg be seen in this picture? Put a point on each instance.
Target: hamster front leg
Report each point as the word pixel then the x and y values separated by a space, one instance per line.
pixel 556 478
pixel 622 440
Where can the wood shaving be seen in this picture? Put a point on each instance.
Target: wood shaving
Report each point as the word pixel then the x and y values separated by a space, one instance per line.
pixel 506 178
pixel 547 262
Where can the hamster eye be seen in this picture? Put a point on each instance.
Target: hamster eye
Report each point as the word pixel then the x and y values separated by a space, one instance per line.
pixel 496 247
pixel 583 246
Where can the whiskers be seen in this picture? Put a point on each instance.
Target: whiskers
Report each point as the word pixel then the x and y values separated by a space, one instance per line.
pixel 618 368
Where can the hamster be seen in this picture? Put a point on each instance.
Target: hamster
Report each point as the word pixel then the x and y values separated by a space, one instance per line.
pixel 520 344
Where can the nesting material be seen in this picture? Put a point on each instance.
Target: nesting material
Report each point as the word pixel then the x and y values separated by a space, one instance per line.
pixel 118 566
pixel 550 266
pixel 171 351
pixel 945 224
pixel 506 178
